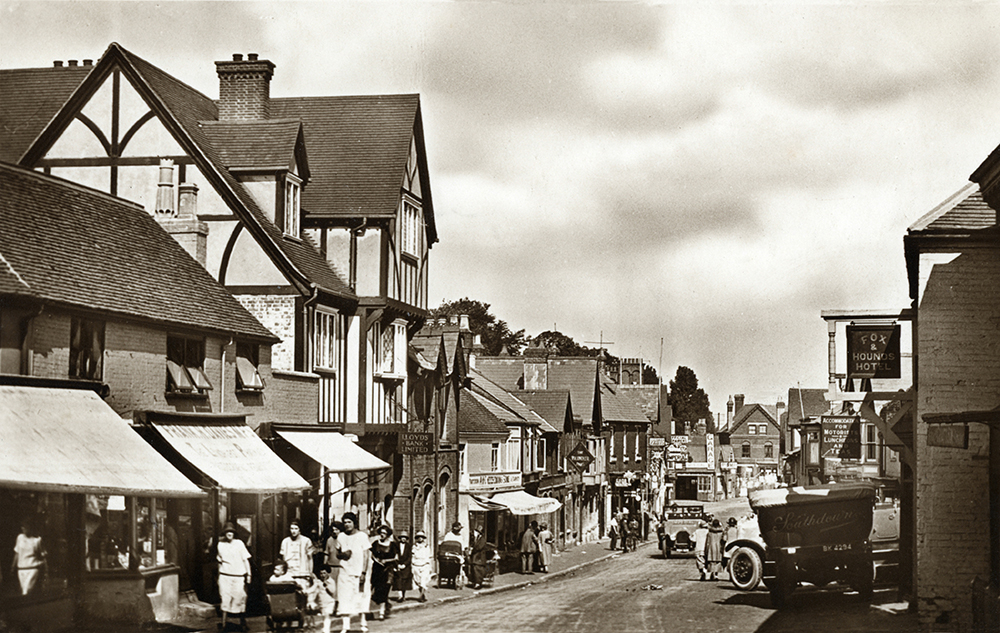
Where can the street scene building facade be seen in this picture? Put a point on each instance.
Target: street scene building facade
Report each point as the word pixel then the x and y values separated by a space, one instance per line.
pixel 216 311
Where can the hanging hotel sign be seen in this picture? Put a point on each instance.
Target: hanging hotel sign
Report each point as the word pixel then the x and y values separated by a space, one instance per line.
pixel 873 351
pixel 580 457
pixel 841 436
pixel 415 443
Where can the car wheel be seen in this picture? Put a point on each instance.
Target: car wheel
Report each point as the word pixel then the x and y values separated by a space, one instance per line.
pixel 745 568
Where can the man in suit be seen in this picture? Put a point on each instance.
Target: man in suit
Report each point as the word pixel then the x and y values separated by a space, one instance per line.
pixel 477 557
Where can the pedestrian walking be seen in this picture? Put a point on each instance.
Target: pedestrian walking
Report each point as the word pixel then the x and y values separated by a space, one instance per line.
pixel 234 576
pixel 546 547
pixel 327 597
pixel 529 548
pixel 385 554
pixel 420 562
pixel 713 549
pixel 403 579
pixel 30 558
pixel 354 563
pixel 297 551
pixel 613 531
pixel 332 555
pixel 700 538
pixel 477 557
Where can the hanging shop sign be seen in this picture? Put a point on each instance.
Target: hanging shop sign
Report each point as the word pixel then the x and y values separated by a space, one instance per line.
pixel 841 436
pixel 580 457
pixel 415 443
pixel 873 351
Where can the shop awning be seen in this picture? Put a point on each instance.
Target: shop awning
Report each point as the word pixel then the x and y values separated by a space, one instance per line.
pixel 333 450
pixel 522 503
pixel 232 456
pixel 482 504
pixel 69 440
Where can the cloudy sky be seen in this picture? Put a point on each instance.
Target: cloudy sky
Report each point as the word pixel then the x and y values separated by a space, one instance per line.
pixel 708 175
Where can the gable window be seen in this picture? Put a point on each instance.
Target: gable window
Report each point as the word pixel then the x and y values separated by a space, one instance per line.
pixel 762 429
pixel 540 454
pixel 409 234
pixel 185 365
pixel 746 449
pixel 769 450
pixel 247 361
pixel 390 346
pixel 86 349
pixel 514 453
pixel 752 429
pixel 494 457
pixel 291 222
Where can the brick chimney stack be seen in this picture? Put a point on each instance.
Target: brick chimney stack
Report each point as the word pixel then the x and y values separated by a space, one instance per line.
pixel 738 401
pixel 244 88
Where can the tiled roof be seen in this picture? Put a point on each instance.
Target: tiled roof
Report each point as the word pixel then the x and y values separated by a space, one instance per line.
pixel 965 210
pixel 578 375
pixel 805 403
pixel 187 110
pixel 553 406
pixel 29 98
pixel 646 397
pixel 429 345
pixel 506 371
pixel 118 260
pixel 617 407
pixel 358 147
pixel 484 386
pixel 189 107
pixel 254 145
pixel 482 416
pixel 747 410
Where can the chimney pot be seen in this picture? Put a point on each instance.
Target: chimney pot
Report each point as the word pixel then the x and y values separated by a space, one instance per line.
pixel 187 200
pixel 237 57
pixel 252 57
pixel 88 62
pixel 463 323
pixel 73 62
pixel 57 64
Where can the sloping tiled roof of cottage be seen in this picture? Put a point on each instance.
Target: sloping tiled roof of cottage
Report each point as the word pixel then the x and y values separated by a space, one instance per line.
pixel 358 147
pixel 484 386
pixel 965 210
pixel 618 407
pixel 185 110
pixel 506 371
pixel 479 414
pixel 29 98
pixel 119 260
pixel 552 405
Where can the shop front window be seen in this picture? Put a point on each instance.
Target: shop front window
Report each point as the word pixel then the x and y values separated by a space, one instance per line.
pixel 117 541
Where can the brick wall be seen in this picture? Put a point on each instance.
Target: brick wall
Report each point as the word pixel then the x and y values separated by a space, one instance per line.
pixel 958 357
pixel 277 314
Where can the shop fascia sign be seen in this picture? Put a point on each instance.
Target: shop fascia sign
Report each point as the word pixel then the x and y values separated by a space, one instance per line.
pixel 494 482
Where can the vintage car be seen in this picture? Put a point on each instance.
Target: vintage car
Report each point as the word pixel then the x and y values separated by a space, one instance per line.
pixel 746 551
pixel 676 532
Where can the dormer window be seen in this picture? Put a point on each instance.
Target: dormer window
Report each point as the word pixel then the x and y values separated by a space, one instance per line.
pixel 291 215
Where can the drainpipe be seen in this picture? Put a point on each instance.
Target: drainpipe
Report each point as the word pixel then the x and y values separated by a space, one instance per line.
pixel 352 279
pixel 222 377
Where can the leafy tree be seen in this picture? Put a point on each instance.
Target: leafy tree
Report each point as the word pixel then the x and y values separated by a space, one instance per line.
pixel 495 334
pixel 559 344
pixel 689 402
pixel 649 375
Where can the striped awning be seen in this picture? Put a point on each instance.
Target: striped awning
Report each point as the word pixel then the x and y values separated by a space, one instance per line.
pixel 517 502
pixel 69 440
pixel 231 456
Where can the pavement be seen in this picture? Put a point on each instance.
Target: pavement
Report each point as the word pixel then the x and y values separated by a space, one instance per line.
pixel 563 563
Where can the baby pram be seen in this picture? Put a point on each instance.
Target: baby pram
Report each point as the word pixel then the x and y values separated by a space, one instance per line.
pixel 286 604
pixel 449 560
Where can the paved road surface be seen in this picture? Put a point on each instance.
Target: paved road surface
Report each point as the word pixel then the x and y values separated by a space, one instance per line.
pixel 615 596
